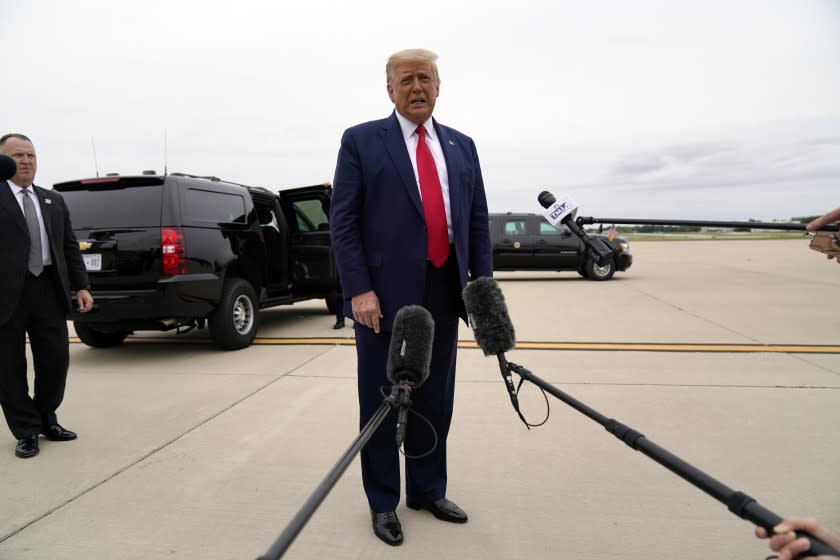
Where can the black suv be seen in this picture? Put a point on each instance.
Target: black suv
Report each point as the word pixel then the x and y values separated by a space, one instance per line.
pixel 171 251
pixel 530 242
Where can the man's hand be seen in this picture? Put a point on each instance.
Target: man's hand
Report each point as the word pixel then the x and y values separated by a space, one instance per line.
pixel 826 242
pixel 85 301
pixel 828 218
pixel 366 310
pixel 785 542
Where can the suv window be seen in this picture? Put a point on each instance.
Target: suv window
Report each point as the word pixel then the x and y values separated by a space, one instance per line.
pixel 548 229
pixel 214 207
pixel 128 207
pixel 515 227
pixel 310 216
pixel 267 218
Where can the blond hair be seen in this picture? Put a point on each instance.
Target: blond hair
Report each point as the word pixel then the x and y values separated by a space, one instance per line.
pixel 411 55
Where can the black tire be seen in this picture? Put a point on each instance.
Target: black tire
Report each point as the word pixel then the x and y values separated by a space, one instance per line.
pixel 98 339
pixel 234 322
pixel 599 273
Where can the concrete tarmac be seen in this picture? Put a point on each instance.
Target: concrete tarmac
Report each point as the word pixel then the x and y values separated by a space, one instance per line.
pixel 186 451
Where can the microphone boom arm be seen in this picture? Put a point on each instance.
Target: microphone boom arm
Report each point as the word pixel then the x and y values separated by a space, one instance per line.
pixel 739 503
pixel 284 541
pixel 589 220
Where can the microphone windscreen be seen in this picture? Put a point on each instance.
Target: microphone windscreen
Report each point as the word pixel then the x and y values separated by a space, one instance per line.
pixel 546 199
pixel 410 353
pixel 489 316
pixel 8 167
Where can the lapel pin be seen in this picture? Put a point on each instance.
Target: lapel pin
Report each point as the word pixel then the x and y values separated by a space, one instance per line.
pixel 451 143
pixel 48 201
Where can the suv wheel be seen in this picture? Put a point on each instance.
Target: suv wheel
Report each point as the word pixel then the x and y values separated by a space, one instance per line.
pixel 98 339
pixel 233 324
pixel 595 272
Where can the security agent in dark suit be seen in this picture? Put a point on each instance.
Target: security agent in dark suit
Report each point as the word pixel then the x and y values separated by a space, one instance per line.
pixel 41 265
pixel 409 227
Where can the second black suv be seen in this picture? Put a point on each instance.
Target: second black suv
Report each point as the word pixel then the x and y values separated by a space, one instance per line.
pixel 530 242
pixel 172 251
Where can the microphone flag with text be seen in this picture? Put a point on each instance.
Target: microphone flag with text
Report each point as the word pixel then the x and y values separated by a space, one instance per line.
pixel 409 357
pixel 564 212
pixel 8 168
pixel 494 334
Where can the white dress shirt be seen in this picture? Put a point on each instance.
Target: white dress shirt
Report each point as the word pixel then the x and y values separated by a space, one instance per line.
pixel 409 130
pixel 45 243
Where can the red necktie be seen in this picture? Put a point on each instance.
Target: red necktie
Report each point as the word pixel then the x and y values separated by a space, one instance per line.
pixel 433 210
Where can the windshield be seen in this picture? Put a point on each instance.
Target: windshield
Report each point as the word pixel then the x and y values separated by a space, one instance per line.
pixel 124 207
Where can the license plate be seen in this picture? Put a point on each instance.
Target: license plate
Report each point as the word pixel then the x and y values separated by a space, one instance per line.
pixel 93 261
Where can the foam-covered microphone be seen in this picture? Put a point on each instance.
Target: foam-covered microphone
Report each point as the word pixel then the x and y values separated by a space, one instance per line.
pixel 564 212
pixel 409 356
pixel 489 317
pixel 492 327
pixel 8 167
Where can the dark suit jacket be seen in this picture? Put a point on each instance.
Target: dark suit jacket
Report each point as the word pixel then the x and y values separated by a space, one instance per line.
pixel 14 248
pixel 376 217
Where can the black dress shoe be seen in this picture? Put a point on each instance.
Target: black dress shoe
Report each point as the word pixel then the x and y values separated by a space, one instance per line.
pixel 27 447
pixel 339 325
pixel 57 433
pixel 387 527
pixel 442 509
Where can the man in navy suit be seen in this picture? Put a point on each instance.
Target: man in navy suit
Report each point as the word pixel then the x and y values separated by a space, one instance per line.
pixel 409 227
pixel 42 263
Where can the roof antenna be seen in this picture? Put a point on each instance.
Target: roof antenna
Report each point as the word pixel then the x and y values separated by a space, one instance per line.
pixel 95 163
pixel 165 170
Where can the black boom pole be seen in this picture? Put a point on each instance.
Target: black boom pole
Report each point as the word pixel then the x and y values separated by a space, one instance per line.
pixel 738 502
pixel 787 226
pixel 395 399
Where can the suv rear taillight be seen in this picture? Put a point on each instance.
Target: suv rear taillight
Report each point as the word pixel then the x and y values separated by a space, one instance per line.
pixel 173 252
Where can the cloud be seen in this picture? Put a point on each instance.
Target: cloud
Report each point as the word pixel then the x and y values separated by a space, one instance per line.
pixel 693 152
pixel 679 155
pixel 827 141
pixel 639 164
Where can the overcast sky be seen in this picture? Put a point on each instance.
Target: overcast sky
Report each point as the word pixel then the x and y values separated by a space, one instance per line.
pixel 704 109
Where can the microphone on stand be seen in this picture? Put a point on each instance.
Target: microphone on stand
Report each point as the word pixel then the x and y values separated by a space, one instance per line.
pixel 492 327
pixel 494 334
pixel 409 357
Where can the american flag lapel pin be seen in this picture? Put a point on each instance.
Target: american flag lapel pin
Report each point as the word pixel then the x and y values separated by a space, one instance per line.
pixel 451 143
pixel 48 200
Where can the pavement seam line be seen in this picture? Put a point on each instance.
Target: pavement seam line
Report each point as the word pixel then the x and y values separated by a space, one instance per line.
pixel 124 468
pixel 678 308
pixel 810 363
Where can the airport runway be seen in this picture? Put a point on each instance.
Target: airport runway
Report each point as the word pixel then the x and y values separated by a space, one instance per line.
pixel 726 353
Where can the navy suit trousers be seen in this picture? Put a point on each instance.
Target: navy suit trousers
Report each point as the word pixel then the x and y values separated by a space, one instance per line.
pixel 425 477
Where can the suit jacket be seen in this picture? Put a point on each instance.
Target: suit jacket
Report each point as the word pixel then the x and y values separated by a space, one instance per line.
pixel 14 248
pixel 376 216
